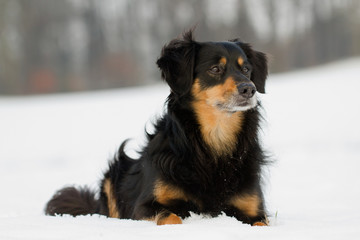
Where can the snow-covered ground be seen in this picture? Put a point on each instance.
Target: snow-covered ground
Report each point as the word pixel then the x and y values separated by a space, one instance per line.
pixel 312 130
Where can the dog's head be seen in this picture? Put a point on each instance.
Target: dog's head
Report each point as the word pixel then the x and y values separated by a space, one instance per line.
pixel 226 75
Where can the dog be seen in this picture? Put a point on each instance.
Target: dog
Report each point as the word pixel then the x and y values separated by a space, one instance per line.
pixel 204 155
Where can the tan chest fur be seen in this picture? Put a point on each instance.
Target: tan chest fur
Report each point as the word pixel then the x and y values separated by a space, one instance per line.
pixel 219 128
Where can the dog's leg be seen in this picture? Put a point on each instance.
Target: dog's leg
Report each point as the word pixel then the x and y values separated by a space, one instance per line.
pixel 156 206
pixel 156 213
pixel 109 205
pixel 167 217
pixel 248 208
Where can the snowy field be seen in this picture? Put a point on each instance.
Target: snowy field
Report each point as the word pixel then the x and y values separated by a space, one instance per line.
pixel 312 130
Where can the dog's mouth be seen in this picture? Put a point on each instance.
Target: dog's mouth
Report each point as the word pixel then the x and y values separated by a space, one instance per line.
pixel 237 103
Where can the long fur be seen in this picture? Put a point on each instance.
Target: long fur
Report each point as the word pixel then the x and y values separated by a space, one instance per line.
pixel 178 171
pixel 73 201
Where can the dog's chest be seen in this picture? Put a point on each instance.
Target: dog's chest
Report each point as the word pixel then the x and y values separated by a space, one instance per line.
pixel 217 192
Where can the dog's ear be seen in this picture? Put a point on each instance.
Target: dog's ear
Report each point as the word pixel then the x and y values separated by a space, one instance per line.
pixel 177 63
pixel 258 60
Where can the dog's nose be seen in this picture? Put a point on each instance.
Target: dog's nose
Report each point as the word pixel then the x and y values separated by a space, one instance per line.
pixel 246 90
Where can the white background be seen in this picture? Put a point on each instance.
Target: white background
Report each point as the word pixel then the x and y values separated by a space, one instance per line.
pixel 311 130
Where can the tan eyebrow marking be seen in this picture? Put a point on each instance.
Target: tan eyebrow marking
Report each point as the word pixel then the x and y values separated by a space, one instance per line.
pixel 240 61
pixel 223 60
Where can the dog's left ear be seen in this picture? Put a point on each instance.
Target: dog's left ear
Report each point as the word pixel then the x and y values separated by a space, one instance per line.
pixel 258 60
pixel 177 62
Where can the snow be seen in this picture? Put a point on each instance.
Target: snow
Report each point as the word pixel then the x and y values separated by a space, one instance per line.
pixel 312 131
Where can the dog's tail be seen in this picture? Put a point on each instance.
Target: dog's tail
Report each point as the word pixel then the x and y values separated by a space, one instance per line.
pixel 73 201
pixel 81 200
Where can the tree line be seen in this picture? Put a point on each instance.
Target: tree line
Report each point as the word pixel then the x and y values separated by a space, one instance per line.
pixel 56 46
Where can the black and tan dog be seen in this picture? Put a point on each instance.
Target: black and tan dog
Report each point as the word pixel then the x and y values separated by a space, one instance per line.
pixel 204 155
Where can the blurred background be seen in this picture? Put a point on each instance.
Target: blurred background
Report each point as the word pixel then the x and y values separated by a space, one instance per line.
pixel 49 46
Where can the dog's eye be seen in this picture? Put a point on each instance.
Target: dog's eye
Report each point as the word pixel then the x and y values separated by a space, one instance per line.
pixel 216 70
pixel 245 70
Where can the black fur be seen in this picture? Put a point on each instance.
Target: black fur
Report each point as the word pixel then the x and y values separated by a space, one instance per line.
pixel 176 152
pixel 73 201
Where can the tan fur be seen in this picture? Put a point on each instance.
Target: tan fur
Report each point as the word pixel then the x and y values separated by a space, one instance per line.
pixel 164 218
pixel 223 61
pixel 109 191
pixel 261 224
pixel 164 193
pixel 160 219
pixel 219 128
pixel 240 61
pixel 247 203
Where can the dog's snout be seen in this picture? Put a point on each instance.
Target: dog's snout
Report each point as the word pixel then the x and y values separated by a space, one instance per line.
pixel 246 90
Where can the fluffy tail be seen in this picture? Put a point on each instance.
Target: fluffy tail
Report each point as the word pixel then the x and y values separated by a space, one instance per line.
pixel 73 201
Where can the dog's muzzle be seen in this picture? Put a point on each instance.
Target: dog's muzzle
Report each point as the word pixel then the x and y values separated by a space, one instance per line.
pixel 246 90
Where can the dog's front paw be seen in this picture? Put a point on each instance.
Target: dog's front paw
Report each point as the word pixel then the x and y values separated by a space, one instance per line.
pixel 172 218
pixel 261 224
